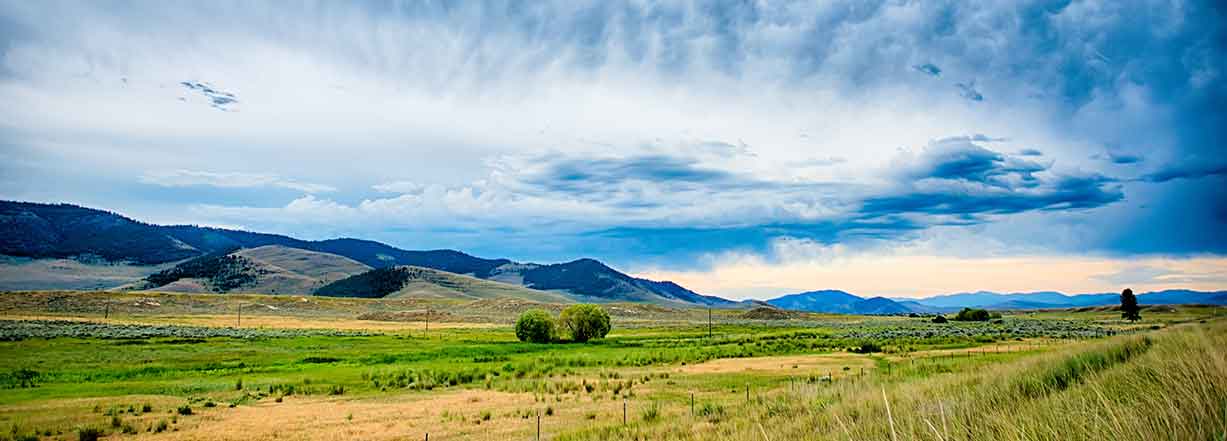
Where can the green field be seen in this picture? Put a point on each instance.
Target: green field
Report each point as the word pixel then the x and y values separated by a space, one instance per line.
pixel 320 373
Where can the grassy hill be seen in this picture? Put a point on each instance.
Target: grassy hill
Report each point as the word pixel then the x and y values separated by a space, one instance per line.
pixel 418 282
pixel 268 270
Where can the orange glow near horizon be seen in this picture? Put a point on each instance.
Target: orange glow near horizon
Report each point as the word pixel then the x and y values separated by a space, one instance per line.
pixel 921 276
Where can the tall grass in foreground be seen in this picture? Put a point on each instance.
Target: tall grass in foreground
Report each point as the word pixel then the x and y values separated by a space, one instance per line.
pixel 1168 385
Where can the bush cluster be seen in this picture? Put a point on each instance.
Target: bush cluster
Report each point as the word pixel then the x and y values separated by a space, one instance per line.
pixel 975 315
pixel 582 322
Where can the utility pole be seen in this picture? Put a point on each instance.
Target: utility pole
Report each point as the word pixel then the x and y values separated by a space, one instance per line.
pixel 424 334
pixel 107 314
pixel 240 325
pixel 709 322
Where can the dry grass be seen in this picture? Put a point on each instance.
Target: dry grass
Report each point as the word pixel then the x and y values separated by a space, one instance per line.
pixel 262 321
pixel 1166 385
pixel 834 362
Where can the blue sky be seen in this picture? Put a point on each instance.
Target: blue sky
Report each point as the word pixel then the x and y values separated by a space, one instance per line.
pixel 743 148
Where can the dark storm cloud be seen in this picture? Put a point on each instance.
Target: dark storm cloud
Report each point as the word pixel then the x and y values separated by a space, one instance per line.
pixel 1187 170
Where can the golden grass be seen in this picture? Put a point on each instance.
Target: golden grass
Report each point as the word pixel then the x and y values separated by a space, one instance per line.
pixel 794 364
pixel 1173 389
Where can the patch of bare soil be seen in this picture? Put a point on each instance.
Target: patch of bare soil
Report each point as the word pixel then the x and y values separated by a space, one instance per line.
pixel 765 313
pixel 420 315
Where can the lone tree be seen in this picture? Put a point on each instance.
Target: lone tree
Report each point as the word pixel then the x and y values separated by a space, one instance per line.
pixel 584 322
pixel 535 326
pixel 1129 309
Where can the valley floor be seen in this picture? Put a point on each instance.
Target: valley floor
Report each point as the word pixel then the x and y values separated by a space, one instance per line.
pixel 318 372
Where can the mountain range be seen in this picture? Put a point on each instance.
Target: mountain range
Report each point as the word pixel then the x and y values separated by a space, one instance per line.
pixel 63 246
pixel 206 259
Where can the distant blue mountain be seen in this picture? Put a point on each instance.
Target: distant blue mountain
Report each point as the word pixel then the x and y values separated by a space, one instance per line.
pixel 841 302
pixel 1050 299
pixel 833 301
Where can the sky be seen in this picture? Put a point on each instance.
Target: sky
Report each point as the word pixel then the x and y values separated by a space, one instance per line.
pixel 743 149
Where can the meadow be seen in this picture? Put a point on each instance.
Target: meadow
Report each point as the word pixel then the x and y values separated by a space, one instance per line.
pixel 72 370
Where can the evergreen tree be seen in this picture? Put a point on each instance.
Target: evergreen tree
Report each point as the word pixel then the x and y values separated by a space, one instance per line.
pixel 1129 309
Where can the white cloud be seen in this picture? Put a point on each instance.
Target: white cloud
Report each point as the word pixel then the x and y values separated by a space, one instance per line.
pixel 187 178
pixel 399 187
pixel 446 115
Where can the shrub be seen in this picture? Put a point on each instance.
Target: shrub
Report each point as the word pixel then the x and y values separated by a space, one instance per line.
pixel 973 315
pixel 585 322
pixel 651 412
pixel 146 408
pixel 161 426
pixel 185 410
pixel 940 319
pixel 867 348
pixel 712 411
pixel 535 326
pixel 20 378
pixel 89 434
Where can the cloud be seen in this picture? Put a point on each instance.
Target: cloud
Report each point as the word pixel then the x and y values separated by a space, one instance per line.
pixel 980 137
pixel 218 99
pixel 645 126
pixel 968 90
pixel 399 187
pixel 962 160
pixel 928 69
pixel 186 178
pixel 679 206
pixel 1187 170
pixel 1118 158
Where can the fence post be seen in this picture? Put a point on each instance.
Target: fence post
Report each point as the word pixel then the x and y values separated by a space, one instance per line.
pixel 538 424
pixel 623 411
pixel 692 404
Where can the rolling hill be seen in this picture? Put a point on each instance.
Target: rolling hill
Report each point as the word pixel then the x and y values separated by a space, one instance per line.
pixel 418 282
pixel 270 269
